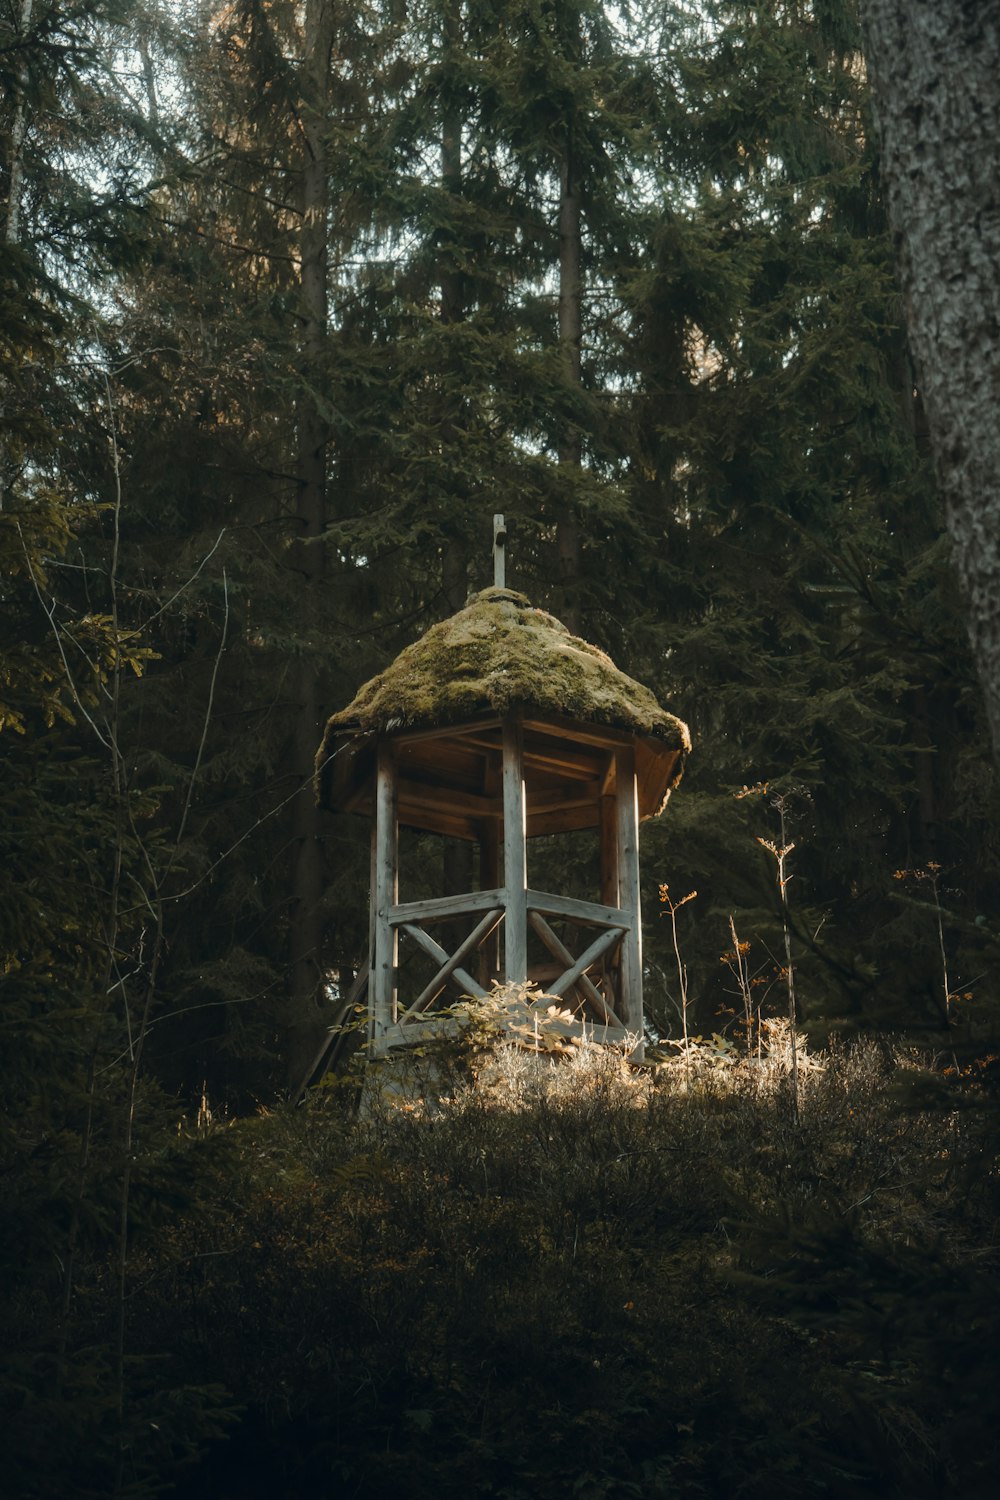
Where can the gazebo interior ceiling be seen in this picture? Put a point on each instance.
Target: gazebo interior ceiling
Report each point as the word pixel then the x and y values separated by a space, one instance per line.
pixel 448 778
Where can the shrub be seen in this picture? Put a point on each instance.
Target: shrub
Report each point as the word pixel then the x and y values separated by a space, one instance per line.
pixel 574 1277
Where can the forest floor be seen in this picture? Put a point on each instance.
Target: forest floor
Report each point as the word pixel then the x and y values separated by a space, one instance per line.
pixel 583 1279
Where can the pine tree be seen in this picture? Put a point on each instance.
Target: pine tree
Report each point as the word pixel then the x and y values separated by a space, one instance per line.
pixel 237 439
pixel 780 455
pixel 736 449
pixel 78 898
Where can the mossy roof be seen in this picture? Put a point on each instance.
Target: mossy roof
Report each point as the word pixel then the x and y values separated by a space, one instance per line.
pixel 497 654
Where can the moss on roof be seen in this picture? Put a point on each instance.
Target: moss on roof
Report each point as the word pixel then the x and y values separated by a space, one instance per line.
pixel 496 654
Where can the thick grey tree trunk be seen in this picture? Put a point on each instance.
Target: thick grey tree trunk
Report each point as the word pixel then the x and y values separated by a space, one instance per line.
pixel 935 69
pixel 18 131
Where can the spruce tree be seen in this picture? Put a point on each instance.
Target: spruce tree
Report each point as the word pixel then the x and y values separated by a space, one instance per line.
pixel 809 615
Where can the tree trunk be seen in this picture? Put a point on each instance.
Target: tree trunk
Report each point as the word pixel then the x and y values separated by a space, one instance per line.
pixel 570 340
pixel 935 67
pixel 18 131
pixel 457 857
pixel 455 555
pixel 306 919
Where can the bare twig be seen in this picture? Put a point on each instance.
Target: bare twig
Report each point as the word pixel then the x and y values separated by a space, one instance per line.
pixel 781 852
pixel 247 833
pixel 50 612
pixel 738 966
pixel 208 717
pixel 186 585
pixel 673 907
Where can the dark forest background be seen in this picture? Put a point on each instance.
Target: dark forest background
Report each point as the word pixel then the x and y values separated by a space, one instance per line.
pixel 294 298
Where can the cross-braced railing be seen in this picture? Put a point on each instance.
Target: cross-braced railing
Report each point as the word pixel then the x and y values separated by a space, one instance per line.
pixel 597 1002
pixel 601 979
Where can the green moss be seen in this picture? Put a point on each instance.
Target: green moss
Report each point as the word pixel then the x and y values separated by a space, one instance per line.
pixel 497 654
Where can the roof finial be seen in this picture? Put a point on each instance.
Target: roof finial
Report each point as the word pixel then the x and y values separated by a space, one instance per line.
pixel 499 539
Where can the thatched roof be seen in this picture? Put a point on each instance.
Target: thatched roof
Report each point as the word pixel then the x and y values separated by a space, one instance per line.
pixel 497 654
pixel 443 698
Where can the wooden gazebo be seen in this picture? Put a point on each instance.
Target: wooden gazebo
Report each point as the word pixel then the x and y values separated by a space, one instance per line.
pixel 497 727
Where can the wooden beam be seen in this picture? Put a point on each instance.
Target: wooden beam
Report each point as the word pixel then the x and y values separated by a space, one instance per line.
pixel 437 1026
pixel 609 851
pixel 492 744
pixel 515 873
pixel 627 819
pixel 372 923
pixel 440 907
pixel 330 1045
pixel 573 820
pixel 539 756
pixel 448 799
pixel 489 879
pixel 581 911
pixel 569 729
pixel 467 732
pixel 575 768
pixel 559 950
pixel 480 932
pixel 383 990
pixel 654 769
pixel 429 821
pixel 552 800
pixel 442 760
pixel 434 1027
pixel 597 949
pixel 434 950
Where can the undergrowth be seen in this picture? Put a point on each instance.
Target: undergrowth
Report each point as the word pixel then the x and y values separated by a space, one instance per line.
pixel 576 1278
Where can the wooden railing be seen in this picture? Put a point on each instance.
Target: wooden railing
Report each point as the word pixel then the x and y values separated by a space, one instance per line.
pixel 490 907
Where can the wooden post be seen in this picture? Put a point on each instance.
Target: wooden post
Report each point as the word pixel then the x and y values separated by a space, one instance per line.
pixel 499 560
pixel 515 873
pixel 608 833
pixel 489 880
pixel 383 978
pixel 609 836
pixel 372 922
pixel 626 800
